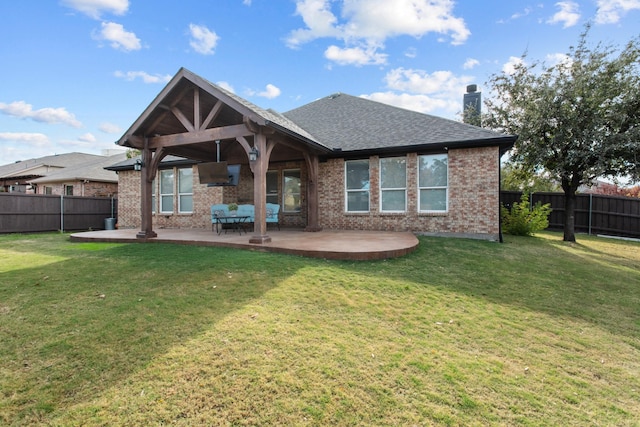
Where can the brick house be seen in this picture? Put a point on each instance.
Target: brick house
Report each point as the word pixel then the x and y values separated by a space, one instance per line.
pixel 341 162
pixel 69 174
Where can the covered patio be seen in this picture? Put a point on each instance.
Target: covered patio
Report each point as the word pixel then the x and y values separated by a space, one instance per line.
pixel 327 244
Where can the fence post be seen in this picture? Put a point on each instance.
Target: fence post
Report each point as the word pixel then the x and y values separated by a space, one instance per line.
pixel 590 210
pixel 61 213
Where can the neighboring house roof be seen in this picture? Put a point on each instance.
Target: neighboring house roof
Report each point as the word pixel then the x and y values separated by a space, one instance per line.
pixel 47 165
pixel 354 124
pixel 91 171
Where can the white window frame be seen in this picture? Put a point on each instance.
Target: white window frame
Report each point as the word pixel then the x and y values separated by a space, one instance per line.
pixel 162 191
pixel 445 187
pixel 382 189
pixel 347 191
pixel 185 194
pixel 273 197
pixel 284 173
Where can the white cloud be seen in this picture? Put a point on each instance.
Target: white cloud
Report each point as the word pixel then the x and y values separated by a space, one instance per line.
pixel 470 63
pixel 510 66
pixel 226 86
pixel 411 52
pixel 107 127
pixel 439 92
pixel 421 103
pixel 270 92
pixel 95 8
pixel 119 37
pixel 355 55
pixel 568 14
pixel 87 137
pixel 421 82
pixel 22 110
pixel 144 76
pixel 610 11
pixel 203 40
pixel 554 59
pixel 32 139
pixel 366 24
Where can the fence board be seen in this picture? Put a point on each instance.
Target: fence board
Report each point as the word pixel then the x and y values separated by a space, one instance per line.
pixel 595 213
pixel 26 213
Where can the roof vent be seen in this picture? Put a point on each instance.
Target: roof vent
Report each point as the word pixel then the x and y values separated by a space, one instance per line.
pixel 335 95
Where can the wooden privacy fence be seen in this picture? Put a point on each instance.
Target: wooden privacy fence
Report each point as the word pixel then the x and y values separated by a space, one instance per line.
pixel 595 213
pixel 25 213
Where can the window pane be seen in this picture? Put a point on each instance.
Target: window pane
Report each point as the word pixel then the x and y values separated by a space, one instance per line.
pixel 393 173
pixel 154 188
pixel 272 186
pixel 433 171
pixel 291 191
pixel 167 203
pixel 357 174
pixel 166 182
pixel 186 203
pixel 358 201
pixel 185 180
pixel 393 200
pixel 433 200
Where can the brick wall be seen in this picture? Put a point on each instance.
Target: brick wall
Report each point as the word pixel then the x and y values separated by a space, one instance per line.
pixel 81 188
pixel 129 204
pixel 473 197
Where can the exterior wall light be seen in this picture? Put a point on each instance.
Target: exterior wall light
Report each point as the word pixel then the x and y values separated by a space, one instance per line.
pixel 137 166
pixel 254 154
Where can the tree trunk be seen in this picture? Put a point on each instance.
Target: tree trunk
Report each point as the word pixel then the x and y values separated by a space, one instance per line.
pixel 569 211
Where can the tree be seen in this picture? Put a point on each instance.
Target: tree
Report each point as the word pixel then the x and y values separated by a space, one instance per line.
pixel 515 178
pixel 577 120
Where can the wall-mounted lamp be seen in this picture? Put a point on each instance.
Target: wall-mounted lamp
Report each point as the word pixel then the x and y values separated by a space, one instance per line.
pixel 137 166
pixel 254 154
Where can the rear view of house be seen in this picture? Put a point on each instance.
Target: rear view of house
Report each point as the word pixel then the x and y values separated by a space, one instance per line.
pixel 341 162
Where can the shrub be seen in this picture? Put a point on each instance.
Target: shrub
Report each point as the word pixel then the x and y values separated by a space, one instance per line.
pixel 522 220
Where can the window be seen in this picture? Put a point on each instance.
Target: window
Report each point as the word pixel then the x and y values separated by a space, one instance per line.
pixel 166 190
pixel 432 183
pixel 272 187
pixel 154 199
pixel 68 190
pixel 393 184
pixel 291 190
pixel 357 185
pixel 48 190
pixel 185 190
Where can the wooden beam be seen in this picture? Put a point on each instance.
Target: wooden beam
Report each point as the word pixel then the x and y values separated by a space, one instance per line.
pixel 226 132
pixel 183 119
pixel 212 115
pixel 196 108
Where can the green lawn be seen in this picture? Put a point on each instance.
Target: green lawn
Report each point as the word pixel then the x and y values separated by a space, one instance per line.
pixel 531 332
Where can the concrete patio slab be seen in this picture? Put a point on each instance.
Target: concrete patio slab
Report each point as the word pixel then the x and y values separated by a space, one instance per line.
pixel 327 244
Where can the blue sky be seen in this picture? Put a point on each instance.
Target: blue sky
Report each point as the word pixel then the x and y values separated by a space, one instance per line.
pixel 75 74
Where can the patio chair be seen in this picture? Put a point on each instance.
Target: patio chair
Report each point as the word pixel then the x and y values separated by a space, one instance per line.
pixel 217 212
pixel 272 214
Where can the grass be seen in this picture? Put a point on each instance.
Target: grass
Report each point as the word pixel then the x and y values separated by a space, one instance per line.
pixel 534 331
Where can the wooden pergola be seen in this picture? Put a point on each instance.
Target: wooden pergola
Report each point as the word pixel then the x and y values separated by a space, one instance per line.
pixel 187 118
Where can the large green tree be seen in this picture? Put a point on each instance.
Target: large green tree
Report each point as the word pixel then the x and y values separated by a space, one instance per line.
pixel 577 120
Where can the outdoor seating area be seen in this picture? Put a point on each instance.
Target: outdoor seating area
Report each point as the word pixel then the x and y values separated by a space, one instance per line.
pixel 238 217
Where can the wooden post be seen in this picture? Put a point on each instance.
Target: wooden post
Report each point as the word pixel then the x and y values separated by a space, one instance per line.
pixel 312 192
pixel 259 168
pixel 146 179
